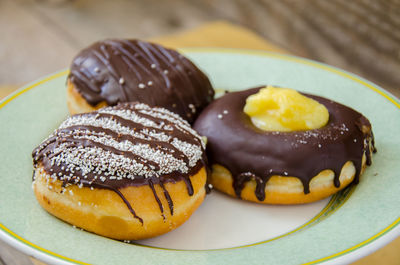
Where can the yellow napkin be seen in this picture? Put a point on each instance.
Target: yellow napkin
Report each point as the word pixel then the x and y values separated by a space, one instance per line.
pixel 218 34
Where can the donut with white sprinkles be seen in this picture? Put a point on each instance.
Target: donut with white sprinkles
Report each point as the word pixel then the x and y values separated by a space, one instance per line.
pixel 126 172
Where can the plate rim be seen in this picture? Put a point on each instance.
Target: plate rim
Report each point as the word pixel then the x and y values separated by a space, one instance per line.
pixel 384 236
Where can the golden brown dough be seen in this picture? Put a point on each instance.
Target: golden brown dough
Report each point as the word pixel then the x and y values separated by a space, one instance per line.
pixel 77 104
pixel 103 212
pixel 285 189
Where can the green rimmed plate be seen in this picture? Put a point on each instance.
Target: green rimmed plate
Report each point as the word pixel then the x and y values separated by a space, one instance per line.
pixel 343 228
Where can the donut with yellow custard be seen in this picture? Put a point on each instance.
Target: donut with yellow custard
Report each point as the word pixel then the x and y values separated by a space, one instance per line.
pixel 278 146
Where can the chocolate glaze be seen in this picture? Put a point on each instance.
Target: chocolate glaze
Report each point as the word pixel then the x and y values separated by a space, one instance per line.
pixel 250 153
pixel 132 70
pixel 76 132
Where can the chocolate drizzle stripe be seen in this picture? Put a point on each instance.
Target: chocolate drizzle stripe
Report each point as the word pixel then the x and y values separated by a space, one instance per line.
pixel 127 203
pixel 151 59
pixel 165 116
pixel 252 154
pixel 129 60
pixel 185 132
pixel 90 143
pixel 260 188
pixel 157 198
pixel 154 143
pixel 156 120
pixel 139 127
pixel 189 186
pixel 168 116
pixel 168 59
pixel 168 198
pixel 128 123
pixel 112 70
pixel 143 49
pixel 132 58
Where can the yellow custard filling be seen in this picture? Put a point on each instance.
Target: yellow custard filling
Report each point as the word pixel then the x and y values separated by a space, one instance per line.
pixel 284 109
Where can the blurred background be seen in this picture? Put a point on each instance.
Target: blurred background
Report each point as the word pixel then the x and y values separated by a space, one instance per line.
pixel 39 37
pixel 361 36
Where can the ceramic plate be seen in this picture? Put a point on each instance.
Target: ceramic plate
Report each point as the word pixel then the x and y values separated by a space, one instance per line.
pixel 347 226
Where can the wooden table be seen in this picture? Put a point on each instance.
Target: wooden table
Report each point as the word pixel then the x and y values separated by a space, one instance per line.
pixel 361 36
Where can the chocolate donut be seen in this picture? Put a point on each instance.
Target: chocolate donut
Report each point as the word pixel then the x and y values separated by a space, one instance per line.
pixel 248 154
pixel 118 70
pixel 125 172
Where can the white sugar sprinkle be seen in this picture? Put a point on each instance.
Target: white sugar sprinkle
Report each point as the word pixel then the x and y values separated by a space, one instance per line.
pixel 219 116
pixel 150 83
pixel 121 81
pixel 136 156
pixel 153 66
pixel 141 86
pixel 192 107
pixel 225 112
pixel 166 72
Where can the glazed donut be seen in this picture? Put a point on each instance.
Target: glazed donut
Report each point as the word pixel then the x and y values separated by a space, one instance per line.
pixel 126 172
pixel 283 167
pixel 113 71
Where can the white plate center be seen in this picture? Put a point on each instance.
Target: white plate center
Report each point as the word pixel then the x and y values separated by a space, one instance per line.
pixel 224 222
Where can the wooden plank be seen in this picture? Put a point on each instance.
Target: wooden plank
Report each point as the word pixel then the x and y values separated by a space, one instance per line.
pixel 10 256
pixel 388 255
pixel 28 48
